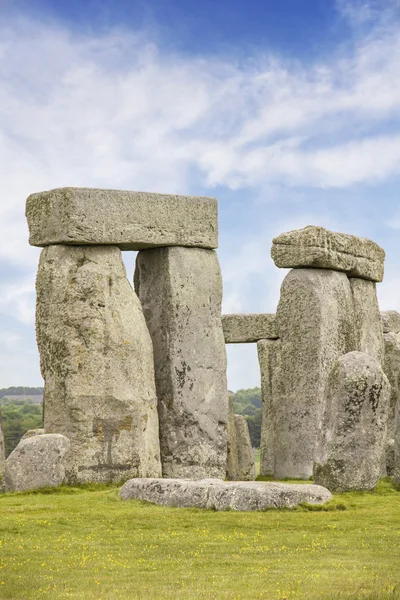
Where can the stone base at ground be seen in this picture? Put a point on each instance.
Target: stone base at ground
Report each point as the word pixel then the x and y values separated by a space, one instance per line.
pixel 223 495
pixel 37 462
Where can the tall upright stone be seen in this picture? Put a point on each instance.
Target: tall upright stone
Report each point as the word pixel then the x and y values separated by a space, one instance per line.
pixel 97 364
pixel 392 369
pixel 181 292
pixel 396 469
pixel 240 465
pixel 316 325
pixel 353 434
pixel 2 451
pixel 269 358
pixel 368 326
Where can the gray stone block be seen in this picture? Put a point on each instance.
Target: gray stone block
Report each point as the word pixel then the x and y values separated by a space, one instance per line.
pixel 241 329
pixel 181 291
pixel 391 366
pixel 97 364
pixel 353 433
pixel 240 460
pixel 37 462
pixel 2 451
pixel 368 326
pixel 316 325
pixel 31 433
pixel 390 321
pixel 269 358
pixel 223 495
pixel 319 248
pixel 129 220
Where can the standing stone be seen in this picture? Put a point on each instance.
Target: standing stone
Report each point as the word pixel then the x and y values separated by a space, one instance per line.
pixel 392 371
pixel 269 356
pixel 240 465
pixel 181 291
pixel 97 363
pixel 316 325
pixel 353 435
pixel 396 469
pixel 2 451
pixel 368 326
pixel 37 462
pixel 390 321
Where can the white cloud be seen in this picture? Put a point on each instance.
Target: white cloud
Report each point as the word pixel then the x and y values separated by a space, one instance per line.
pixel 117 110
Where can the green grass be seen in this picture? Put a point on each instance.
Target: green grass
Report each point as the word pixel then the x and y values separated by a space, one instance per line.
pixel 86 543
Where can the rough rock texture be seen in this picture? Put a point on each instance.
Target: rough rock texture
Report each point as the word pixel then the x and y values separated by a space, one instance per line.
pixel 223 495
pixel 391 367
pixel 369 336
pixel 2 451
pixel 232 459
pixel 269 357
pixel 240 465
pixel 181 291
pixel 240 329
pixel 37 462
pixel 353 435
pixel 31 433
pixel 317 247
pixel 316 325
pixel 396 469
pixel 129 220
pixel 389 457
pixel 390 321
pixel 97 363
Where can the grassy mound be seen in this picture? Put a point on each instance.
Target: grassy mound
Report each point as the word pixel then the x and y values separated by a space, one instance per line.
pixel 86 543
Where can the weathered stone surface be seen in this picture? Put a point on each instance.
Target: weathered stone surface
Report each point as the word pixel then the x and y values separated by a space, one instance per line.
pixel 223 495
pixel 396 469
pixel 38 461
pixel 389 457
pixel 240 465
pixel 31 433
pixel 316 325
pixel 241 329
pixel 129 220
pixel 181 290
pixel 392 370
pixel 97 363
pixel 353 435
pixel 390 321
pixel 2 451
pixel 319 248
pixel 240 460
pixel 269 358
pixel 368 326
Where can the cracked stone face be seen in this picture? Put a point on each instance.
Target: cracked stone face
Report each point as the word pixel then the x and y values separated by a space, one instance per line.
pixel 181 292
pixel 97 364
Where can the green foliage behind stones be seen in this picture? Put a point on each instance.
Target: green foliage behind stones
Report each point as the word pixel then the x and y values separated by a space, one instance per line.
pixel 17 417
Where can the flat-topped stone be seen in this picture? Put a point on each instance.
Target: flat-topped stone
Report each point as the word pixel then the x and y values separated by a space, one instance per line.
pixel 129 220
pixel 323 249
pixel 223 495
pixel 390 321
pixel 242 328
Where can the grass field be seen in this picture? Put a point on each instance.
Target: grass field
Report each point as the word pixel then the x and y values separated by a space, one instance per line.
pixel 86 543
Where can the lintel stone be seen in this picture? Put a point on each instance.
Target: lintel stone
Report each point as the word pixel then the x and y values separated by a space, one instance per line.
pixel 322 249
pixel 242 329
pixel 129 220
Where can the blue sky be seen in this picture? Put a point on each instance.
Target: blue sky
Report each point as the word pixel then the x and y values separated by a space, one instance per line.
pixel 288 112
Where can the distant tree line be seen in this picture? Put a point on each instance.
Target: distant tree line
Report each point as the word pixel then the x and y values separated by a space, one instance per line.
pixel 248 404
pixel 19 415
pixel 21 391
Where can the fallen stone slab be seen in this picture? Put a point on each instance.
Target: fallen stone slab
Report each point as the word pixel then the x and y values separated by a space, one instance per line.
pixel 37 462
pixel 323 249
pixel 242 329
pixel 390 321
pixel 129 220
pixel 223 495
